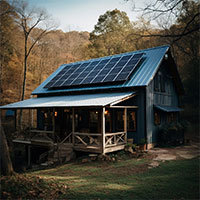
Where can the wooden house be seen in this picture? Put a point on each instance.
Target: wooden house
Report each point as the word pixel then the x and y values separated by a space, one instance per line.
pixel 95 105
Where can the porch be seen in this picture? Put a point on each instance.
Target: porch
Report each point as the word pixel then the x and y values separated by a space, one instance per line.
pixel 95 123
pixel 96 133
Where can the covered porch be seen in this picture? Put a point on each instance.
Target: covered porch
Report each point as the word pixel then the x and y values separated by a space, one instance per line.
pixel 95 123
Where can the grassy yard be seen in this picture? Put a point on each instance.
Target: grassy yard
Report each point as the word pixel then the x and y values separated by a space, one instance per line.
pixel 126 179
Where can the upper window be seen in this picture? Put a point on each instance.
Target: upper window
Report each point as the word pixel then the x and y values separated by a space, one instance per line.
pixel 156 83
pixel 159 82
pixel 162 83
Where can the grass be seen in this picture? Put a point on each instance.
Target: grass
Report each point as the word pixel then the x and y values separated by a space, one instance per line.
pixel 126 179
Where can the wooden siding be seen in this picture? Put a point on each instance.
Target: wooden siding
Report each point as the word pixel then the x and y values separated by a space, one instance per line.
pixel 169 97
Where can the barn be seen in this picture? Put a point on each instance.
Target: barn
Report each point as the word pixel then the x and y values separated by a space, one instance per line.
pixel 96 105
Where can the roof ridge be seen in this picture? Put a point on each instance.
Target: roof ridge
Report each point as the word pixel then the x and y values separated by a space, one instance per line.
pixel 120 54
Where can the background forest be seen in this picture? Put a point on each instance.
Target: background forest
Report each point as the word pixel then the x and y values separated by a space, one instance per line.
pixel 31 47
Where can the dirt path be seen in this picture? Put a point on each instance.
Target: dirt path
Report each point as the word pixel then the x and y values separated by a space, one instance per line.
pixel 181 152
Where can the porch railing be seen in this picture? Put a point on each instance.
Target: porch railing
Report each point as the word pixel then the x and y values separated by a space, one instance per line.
pixel 95 139
pixel 87 139
pixel 115 139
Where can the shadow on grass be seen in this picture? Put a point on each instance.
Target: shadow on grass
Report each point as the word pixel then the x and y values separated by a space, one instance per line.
pixel 172 180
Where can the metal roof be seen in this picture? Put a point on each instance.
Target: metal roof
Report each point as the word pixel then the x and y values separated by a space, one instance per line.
pixel 141 77
pixel 83 100
pixel 168 108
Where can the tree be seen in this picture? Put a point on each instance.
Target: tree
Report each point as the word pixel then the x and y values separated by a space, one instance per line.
pixel 5 161
pixel 110 34
pixel 5 48
pixel 29 19
pixel 166 13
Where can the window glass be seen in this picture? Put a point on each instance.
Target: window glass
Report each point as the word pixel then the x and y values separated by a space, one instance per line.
pixel 119 120
pixel 171 117
pixel 131 120
pixel 157 118
pixel 162 83
pixel 156 83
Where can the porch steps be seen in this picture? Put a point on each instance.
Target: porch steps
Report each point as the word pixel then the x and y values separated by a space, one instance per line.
pixel 60 154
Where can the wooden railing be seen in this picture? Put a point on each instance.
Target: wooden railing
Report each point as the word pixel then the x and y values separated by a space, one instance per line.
pixel 115 139
pixel 87 139
pixel 95 139
pixel 68 139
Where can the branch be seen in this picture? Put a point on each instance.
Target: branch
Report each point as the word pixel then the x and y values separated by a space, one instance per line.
pixel 178 36
pixel 36 40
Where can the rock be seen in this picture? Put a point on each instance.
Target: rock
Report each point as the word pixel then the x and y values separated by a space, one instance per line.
pixel 153 164
pixel 130 149
pixel 85 160
pixel 113 159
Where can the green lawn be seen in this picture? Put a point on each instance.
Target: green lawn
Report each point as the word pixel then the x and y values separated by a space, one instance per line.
pixel 126 179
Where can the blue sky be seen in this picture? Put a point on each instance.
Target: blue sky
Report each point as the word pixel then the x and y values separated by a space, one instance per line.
pixel 81 15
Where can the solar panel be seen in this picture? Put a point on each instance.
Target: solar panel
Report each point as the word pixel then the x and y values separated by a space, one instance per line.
pixel 106 70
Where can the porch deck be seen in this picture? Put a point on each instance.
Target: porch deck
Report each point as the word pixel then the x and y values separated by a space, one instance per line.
pixel 87 142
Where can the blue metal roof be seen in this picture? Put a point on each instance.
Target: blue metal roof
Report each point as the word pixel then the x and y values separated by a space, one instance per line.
pixel 168 108
pixel 84 100
pixel 141 77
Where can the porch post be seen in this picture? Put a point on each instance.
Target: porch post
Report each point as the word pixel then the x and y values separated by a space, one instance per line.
pixel 73 125
pixel 103 130
pixel 29 156
pixel 54 128
pixel 125 124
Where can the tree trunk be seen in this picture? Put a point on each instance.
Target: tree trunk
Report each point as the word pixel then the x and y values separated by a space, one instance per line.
pixel 6 164
pixel 24 81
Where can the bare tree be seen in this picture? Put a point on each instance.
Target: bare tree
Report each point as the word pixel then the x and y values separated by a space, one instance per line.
pixel 165 13
pixel 6 167
pixel 29 19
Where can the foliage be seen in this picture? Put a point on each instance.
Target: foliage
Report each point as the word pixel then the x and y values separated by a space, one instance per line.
pixel 110 34
pixel 142 141
pixel 30 187
pixel 172 133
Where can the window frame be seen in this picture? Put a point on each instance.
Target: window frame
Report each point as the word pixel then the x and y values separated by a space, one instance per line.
pixel 134 120
pixel 157 118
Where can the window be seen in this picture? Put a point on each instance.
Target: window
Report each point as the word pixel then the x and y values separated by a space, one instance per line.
pixel 159 82
pixel 119 120
pixel 171 117
pixel 157 118
pixel 156 83
pixel 162 83
pixel 131 120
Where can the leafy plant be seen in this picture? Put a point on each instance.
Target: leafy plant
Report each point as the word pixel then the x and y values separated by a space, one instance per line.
pixel 143 141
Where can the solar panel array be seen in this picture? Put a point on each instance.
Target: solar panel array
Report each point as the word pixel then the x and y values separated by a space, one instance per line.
pixel 106 70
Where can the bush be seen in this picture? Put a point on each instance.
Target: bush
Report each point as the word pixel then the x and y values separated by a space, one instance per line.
pixel 172 133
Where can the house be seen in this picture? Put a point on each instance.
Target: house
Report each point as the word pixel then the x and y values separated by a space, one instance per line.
pixel 95 105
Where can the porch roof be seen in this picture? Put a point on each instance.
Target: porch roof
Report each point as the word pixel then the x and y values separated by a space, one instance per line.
pixel 83 100
pixel 168 108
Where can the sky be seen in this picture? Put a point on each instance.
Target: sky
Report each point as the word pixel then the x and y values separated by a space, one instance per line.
pixel 82 15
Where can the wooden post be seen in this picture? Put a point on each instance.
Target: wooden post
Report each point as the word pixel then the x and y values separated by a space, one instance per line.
pixel 29 123
pixel 32 118
pixel 73 126
pixel 103 130
pixel 54 128
pixel 125 124
pixel 29 156
pixel 15 122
